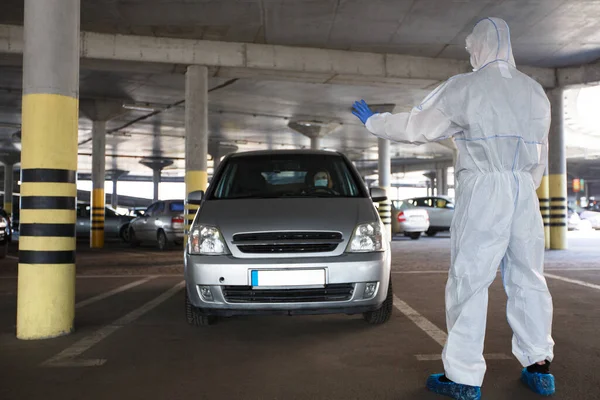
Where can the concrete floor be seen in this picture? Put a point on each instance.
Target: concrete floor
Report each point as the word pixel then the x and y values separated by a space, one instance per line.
pixel 132 342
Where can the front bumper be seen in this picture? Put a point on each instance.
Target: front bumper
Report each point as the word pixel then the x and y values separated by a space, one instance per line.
pixel 221 272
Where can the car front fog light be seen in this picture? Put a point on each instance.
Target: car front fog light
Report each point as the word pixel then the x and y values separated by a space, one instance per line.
pixel 370 289
pixel 206 293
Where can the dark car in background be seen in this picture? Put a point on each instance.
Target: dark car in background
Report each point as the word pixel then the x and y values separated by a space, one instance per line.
pixel 162 223
pixel 116 225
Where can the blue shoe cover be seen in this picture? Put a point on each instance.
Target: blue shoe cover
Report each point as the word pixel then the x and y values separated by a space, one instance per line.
pixel 451 389
pixel 540 383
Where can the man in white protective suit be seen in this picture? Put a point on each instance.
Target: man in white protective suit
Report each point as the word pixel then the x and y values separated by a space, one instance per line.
pixel 499 119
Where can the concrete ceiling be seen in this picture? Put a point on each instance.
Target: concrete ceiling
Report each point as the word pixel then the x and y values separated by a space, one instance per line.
pixel 253 114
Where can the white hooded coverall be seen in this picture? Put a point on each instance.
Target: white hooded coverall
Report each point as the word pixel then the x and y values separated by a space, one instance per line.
pixel 499 119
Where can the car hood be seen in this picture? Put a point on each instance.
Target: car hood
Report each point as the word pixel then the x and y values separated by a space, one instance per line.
pixel 267 215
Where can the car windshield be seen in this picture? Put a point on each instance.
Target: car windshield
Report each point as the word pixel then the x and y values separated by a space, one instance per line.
pixel 286 175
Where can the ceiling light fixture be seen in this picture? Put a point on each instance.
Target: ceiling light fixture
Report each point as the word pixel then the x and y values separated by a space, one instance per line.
pixel 136 107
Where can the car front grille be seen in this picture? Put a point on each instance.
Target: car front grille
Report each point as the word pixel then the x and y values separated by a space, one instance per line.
pixel 247 294
pixel 287 242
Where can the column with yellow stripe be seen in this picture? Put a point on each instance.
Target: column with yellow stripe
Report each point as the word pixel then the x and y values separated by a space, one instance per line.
pixel 8 187
pixel 98 178
pixel 196 136
pixel 385 166
pixel 544 200
pixel 557 173
pixel 46 288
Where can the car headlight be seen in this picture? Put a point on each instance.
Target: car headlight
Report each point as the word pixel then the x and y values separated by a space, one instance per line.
pixel 3 223
pixel 206 240
pixel 368 238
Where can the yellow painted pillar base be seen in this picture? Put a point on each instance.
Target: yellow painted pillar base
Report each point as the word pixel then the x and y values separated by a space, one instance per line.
pixel 544 199
pixel 194 180
pixel 8 208
pixel 558 211
pixel 97 218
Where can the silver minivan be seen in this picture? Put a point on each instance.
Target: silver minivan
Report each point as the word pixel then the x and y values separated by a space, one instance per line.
pixel 287 232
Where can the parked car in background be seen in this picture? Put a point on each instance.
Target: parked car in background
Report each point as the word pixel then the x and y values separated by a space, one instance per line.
pixel 287 232
pixel 162 223
pixel 115 225
pixel 408 219
pixel 586 215
pixel 573 220
pixel 7 226
pixel 4 226
pixel 440 210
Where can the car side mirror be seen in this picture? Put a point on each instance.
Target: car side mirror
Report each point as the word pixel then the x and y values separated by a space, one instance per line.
pixel 196 197
pixel 378 194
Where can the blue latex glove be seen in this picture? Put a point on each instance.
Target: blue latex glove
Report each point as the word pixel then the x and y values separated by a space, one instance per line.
pixel 362 111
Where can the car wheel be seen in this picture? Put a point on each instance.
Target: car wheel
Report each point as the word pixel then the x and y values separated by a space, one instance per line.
pixel 133 240
pixel 431 233
pixel 194 317
pixel 3 250
pixel 383 313
pixel 414 235
pixel 124 234
pixel 161 241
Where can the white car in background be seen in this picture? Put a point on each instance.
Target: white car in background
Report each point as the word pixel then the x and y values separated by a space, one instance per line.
pixel 586 215
pixel 440 210
pixel 408 219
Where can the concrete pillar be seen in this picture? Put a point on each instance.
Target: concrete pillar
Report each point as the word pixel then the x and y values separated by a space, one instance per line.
pixel 218 151
pixel 315 131
pixel 115 174
pixel 99 111
pixel 442 181
pixel 46 288
pixel 98 177
pixel 157 165
pixel 196 137
pixel 544 200
pixel 431 183
pixel 385 178
pixel 8 188
pixel 557 173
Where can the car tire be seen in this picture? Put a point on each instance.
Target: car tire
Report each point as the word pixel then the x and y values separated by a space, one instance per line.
pixel 431 233
pixel 3 250
pixel 162 242
pixel 383 313
pixel 194 317
pixel 124 234
pixel 414 235
pixel 133 240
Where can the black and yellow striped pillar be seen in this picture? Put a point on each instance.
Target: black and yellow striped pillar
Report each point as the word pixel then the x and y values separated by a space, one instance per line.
pixel 8 188
pixel 557 173
pixel 98 178
pixel 544 200
pixel 196 136
pixel 384 165
pixel 46 288
pixel 385 213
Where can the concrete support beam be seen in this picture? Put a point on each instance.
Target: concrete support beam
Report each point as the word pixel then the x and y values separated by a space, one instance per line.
pixel 314 130
pixel 575 76
pixel 218 151
pixel 157 166
pixel 46 288
pixel 385 179
pixel 196 137
pixel 246 60
pixel 99 112
pixel 557 173
pixel 8 188
pixel 114 175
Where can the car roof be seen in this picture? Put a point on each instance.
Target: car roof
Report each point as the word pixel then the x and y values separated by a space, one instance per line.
pixel 285 152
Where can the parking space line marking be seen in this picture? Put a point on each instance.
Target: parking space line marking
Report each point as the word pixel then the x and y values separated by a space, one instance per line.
pixel 574 281
pixel 67 357
pixel 438 357
pixel 426 326
pixel 110 293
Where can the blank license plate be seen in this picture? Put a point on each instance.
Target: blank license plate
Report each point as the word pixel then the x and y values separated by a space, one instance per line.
pixel 295 277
